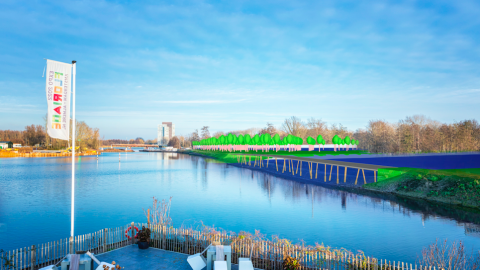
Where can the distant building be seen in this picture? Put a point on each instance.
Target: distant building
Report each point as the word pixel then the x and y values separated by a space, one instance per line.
pixel 166 131
pixel 17 145
pixel 6 144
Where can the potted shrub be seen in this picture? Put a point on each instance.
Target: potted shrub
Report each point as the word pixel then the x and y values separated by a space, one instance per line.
pixel 143 238
pixel 290 263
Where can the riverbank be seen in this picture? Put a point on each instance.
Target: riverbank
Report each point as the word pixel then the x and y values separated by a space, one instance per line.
pixel 462 189
pixel 13 154
pixel 452 187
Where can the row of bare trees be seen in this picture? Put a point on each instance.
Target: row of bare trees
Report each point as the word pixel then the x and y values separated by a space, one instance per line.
pixel 419 134
pixel 412 134
pixel 32 135
pixel 86 137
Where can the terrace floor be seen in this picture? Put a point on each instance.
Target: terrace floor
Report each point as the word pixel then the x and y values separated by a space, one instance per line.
pixel 133 258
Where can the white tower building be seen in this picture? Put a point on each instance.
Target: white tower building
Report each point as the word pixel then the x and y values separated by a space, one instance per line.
pixel 165 132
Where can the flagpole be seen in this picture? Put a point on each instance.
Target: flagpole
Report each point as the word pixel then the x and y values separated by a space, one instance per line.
pixel 72 221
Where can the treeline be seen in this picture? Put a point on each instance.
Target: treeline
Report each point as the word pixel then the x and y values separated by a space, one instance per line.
pixel 32 135
pixel 413 134
pixel 420 134
pixel 86 137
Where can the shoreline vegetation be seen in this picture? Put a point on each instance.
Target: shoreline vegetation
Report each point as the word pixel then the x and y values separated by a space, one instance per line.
pixel 453 187
pixel 41 152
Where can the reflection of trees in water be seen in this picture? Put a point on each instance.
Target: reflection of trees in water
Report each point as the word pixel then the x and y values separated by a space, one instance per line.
pixel 294 191
pixel 204 165
pixel 224 170
pixel 195 161
pixel 472 229
pixel 266 182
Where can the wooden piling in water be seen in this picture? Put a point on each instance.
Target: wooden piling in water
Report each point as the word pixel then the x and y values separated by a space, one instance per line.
pixel 364 180
pixel 316 172
pixel 325 172
pixel 357 176
pixel 311 167
pixel 345 175
pixel 337 174
pixel 330 177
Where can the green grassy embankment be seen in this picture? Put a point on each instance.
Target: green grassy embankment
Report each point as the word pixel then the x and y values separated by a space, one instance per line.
pixel 457 187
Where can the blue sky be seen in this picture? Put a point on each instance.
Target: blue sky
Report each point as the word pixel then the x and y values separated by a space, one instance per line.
pixel 239 64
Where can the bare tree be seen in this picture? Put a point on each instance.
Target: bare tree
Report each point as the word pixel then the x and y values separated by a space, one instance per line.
pixel 294 126
pixel 249 131
pixel 205 132
pixel 182 141
pixel 34 134
pixel 174 142
pixel 270 129
pixel 194 136
pixel 218 134
pixel 316 127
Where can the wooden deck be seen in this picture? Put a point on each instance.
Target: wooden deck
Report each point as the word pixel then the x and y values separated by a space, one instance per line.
pixel 133 258
pixel 170 247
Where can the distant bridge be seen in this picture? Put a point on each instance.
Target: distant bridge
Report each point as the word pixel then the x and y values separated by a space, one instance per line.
pixel 131 145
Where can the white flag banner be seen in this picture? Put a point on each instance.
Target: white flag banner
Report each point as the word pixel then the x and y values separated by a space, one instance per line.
pixel 58 98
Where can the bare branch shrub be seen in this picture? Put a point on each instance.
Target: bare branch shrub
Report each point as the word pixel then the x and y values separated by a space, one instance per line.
pixel 159 212
pixel 454 256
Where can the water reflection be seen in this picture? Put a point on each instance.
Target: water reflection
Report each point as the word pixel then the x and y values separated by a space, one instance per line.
pixel 295 191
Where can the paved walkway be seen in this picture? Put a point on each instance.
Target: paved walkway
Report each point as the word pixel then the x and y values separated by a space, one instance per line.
pixel 132 258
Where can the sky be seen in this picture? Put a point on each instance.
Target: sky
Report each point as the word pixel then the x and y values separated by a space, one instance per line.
pixel 234 65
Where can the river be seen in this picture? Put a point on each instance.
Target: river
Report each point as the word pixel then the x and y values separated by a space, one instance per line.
pixel 35 204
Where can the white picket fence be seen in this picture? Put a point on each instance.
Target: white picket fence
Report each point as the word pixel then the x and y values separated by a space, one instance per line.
pixel 266 254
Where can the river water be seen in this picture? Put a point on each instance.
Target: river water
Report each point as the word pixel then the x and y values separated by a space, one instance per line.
pixel 35 204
